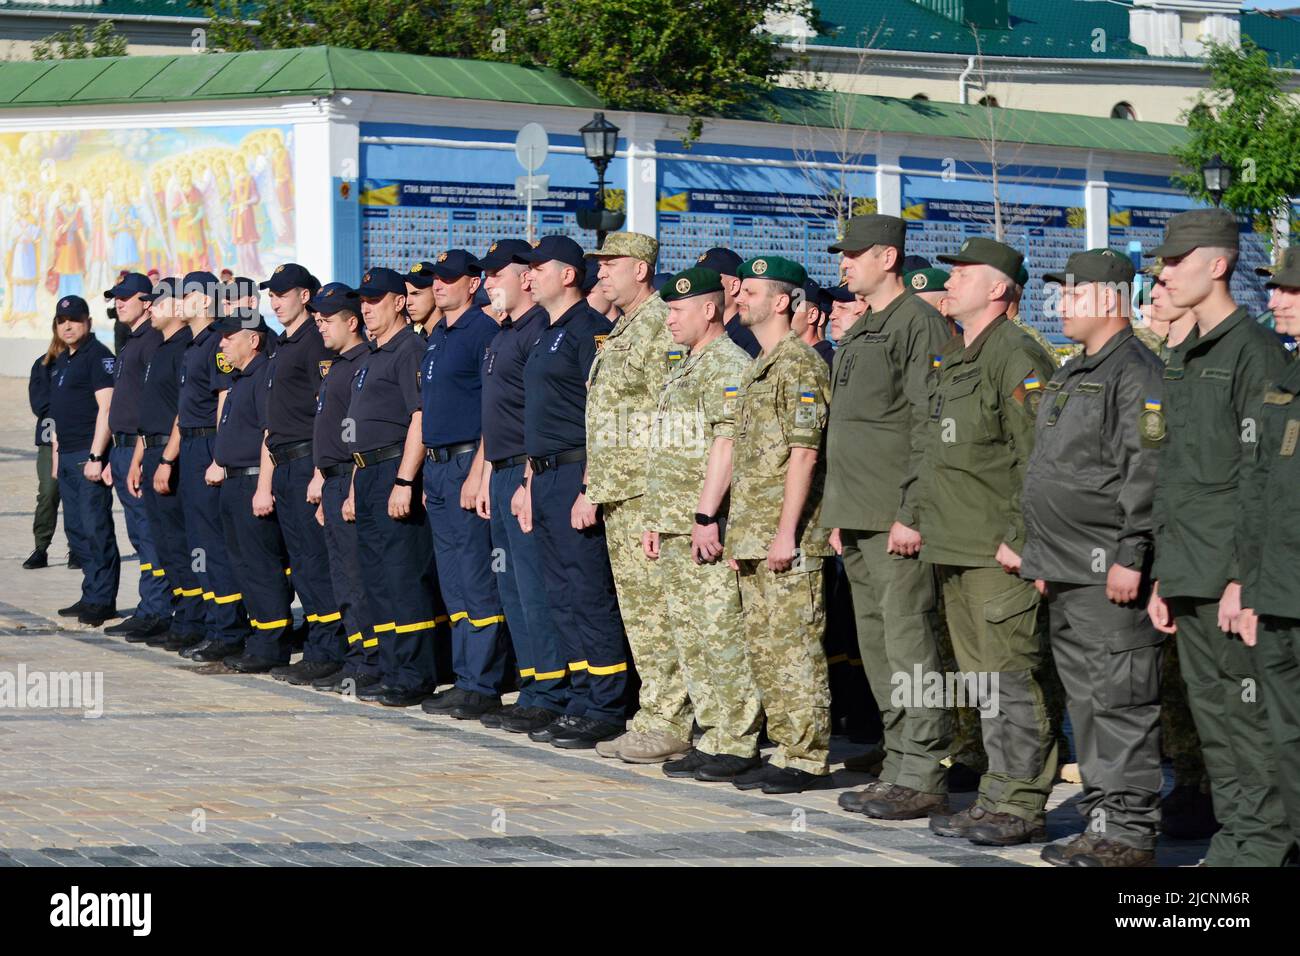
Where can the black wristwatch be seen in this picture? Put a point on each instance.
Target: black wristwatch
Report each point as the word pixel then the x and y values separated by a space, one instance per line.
pixel 169 463
pixel 97 459
pixel 401 482
pixel 706 520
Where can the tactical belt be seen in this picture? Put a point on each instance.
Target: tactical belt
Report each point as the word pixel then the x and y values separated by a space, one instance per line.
pixel 541 465
pixel 283 454
pixel 503 463
pixel 445 453
pixel 199 432
pixel 364 459
pixel 342 468
pixel 123 439
pixel 153 441
pixel 241 472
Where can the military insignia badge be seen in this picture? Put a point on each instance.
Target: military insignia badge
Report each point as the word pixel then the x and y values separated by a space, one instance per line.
pixel 598 339
pixel 729 392
pixel 759 266
pixel 442 257
pixel 919 282
pixel 683 286
pixel 223 364
pixel 323 366
pixel 675 355
pixel 936 361
pixel 702 256
pixel 1290 437
pixel 1151 424
pixel 279 269
pixel 415 269
pixel 805 413
pixel 109 364
pixel 492 248
pixel 366 277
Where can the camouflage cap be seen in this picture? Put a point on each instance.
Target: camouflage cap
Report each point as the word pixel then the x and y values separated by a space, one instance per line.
pixel 689 283
pixel 926 280
pixel 1195 229
pixel 981 251
pixel 1094 265
pixel 634 244
pixel 863 232
pixel 776 268
pixel 1153 269
pixel 1285 273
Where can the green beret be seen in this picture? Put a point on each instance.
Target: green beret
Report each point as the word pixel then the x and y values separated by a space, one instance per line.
pixel 776 268
pixel 690 282
pixel 926 280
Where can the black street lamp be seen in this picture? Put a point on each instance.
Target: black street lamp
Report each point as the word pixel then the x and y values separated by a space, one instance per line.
pixel 1218 177
pixel 600 143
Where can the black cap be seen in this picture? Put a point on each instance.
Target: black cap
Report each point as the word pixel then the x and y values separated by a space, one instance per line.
pixel 591 278
pixel 240 287
pixel 204 282
pixel 168 288
pixel 335 297
pixel 133 283
pixel 839 293
pixel 244 320
pixel 481 297
pixel 659 280
pixel 73 306
pixel 503 252
pixel 561 249
pixel 456 264
pixel 812 294
pixel 420 274
pixel 380 281
pixel 288 276
pixel 914 263
pixel 721 260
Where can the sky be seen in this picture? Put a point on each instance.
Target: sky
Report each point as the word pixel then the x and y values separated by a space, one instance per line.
pixel 1272 4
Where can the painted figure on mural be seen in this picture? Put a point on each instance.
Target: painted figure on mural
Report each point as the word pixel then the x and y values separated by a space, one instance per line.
pixel 123 231
pixel 282 170
pixel 244 198
pixel 22 262
pixel 68 230
pixel 189 226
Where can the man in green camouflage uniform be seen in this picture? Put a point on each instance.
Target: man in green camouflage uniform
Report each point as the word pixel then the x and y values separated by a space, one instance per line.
pixel 685 516
pixel 968 496
pixel 884 368
pixel 1214 382
pixel 624 382
pixel 775 540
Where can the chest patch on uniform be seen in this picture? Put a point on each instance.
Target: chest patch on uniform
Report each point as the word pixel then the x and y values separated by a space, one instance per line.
pixel 361 379
pixel 1278 398
pixel 1290 437
pixel 1090 388
pixel 560 338
pixel 1217 374
pixel 223 364
pixel 875 337
pixel 675 355
pixel 936 361
pixel 1173 374
pixel 1057 407
pixel 1151 423
pixel 323 367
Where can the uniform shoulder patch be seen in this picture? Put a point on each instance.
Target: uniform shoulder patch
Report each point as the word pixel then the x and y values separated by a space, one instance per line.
pixel 323 366
pixel 1151 423
pixel 223 364
pixel 598 339
pixel 1278 398
pixel 109 364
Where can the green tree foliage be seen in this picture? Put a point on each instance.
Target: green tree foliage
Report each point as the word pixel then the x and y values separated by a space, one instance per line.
pixel 691 57
pixel 72 45
pixel 1246 117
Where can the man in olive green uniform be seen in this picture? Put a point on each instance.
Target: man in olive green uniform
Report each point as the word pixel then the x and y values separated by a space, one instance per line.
pixel 685 514
pixel 625 382
pixel 881 389
pixel 1270 532
pixel 1214 383
pixel 981 425
pixel 775 540
pixel 1088 549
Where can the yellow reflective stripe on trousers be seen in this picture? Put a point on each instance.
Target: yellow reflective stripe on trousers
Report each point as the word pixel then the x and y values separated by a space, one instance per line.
pixel 208 595
pixel 190 592
pixel 226 598
pixel 329 618
pixel 458 615
pixel 380 628
pixel 370 642
pixel 158 572
pixel 611 669
pixel 549 675
pixel 146 567
pixel 417 626
pixel 577 665
pixel 269 625
pixel 527 672
pixel 353 638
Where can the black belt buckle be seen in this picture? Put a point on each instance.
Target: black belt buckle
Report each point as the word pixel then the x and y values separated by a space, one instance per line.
pixel 358 459
pixel 542 465
pixel 436 454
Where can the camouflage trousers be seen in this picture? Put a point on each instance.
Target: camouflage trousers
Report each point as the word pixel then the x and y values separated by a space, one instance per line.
pixel 704 602
pixel 1177 729
pixel 665 707
pixel 785 615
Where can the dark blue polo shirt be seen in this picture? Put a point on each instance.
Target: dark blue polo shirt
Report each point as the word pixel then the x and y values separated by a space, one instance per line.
pixel 38 396
pixel 503 384
pixel 452 378
pixel 204 375
pixel 825 350
pixel 128 377
pixel 555 381
pixel 74 380
pixel 743 336
pixel 386 391
pixel 294 379
pixel 162 384
pixel 332 407
pixel 243 417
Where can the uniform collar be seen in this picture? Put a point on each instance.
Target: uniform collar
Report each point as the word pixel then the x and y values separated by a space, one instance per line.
pixel 144 327
pixel 874 321
pixel 972 351
pixel 466 319
pixel 1089 362
pixel 259 359
pixel 625 321
pixel 1220 330
pixel 394 342
pixel 697 354
pixel 764 362
pixel 202 336
pixel 302 330
pixel 570 312
pixel 355 352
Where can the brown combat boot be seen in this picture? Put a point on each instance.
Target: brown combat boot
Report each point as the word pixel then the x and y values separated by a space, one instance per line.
pixel 1006 829
pixel 904 803
pixel 958 824
pixel 854 800
pixel 1063 852
pixel 1114 854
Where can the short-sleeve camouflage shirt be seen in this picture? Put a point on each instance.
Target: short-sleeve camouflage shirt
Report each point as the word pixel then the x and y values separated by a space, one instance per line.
pixel 784 404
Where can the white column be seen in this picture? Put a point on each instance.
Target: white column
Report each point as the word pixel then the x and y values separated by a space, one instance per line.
pixel 642 174
pixel 326 182
pixel 889 177
pixel 1096 207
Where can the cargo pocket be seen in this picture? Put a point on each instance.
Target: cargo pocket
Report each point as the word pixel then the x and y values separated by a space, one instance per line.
pixel 1010 642
pixel 1133 666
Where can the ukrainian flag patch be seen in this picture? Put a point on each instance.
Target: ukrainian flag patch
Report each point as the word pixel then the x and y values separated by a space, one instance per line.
pixel 1153 405
pixel 936 361
pixel 1032 383
pixel 730 391
pixel 808 398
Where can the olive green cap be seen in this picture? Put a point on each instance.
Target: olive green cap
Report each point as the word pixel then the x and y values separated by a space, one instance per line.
pixel 1094 265
pixel 690 282
pixel 863 232
pixel 776 268
pixel 981 251
pixel 1195 229
pixel 1285 273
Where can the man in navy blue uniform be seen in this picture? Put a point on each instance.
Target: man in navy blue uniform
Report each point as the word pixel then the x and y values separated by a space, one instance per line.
pixel 451 383
pixel 572 537
pixel 393 543
pixel 338 316
pixel 421 305
pixel 543 674
pixel 298 362
pixel 204 380
pixel 253 540
pixel 132 297
pixel 158 401
pixel 727 264
pixel 81 389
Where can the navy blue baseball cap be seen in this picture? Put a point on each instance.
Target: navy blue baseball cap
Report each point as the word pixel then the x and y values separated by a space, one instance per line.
pixel 240 287
pixel 72 306
pixel 481 297
pixel 288 276
pixel 592 276
pixel 456 264
pixel 721 260
pixel 420 274
pixel 561 249
pixel 335 297
pixel 660 280
pixel 913 263
pixel 839 293
pixel 379 282
pixel 168 288
pixel 133 283
pixel 242 320
pixel 204 282
pixel 503 252
pixel 812 294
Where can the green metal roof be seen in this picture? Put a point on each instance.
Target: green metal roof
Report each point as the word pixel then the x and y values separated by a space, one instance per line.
pixel 111 8
pixel 314 71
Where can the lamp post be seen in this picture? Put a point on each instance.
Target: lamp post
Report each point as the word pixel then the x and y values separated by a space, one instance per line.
pixel 600 143
pixel 1218 177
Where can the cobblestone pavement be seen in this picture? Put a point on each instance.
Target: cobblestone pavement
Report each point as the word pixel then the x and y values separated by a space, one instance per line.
pixel 190 765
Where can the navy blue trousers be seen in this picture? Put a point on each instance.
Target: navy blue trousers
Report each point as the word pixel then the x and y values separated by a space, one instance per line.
pixel 206 544
pixel 88 523
pixel 167 523
pixel 257 553
pixel 362 653
pixel 155 597
pixel 309 559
